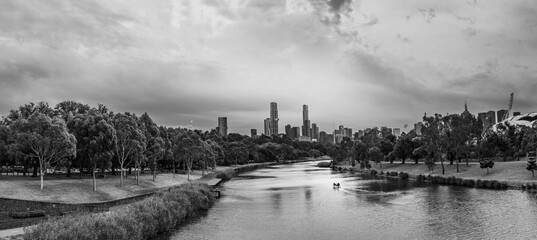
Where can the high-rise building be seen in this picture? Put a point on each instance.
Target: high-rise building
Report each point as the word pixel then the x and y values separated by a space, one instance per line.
pixel 273 124
pixel 500 115
pixel 491 116
pixel 253 132
pixel 306 122
pixel 397 132
pixel 295 132
pixel 288 130
pixel 267 126
pixel 322 136
pixel 417 128
pixel 314 131
pixel 222 126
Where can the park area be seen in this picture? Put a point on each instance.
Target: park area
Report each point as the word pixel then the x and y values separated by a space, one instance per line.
pixel 61 189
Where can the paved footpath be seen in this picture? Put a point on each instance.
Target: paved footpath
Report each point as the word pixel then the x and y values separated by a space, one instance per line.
pixel 6 234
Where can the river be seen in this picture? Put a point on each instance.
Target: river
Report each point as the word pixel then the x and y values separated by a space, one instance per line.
pixel 298 202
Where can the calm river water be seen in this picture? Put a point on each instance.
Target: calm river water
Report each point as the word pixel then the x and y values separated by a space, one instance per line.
pixel 298 202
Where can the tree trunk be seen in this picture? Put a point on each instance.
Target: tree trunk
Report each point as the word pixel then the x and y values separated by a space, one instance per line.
pixel 487 170
pixel 457 166
pixel 442 163
pixel 173 168
pixel 137 176
pixel 42 180
pixel 416 161
pixel 533 173
pixel 34 172
pixel 94 181
pixel 121 174
pixel 80 168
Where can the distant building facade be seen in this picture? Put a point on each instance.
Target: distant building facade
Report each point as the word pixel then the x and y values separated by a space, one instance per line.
pixel 417 128
pixel 305 122
pixel 253 132
pixel 500 115
pixel 273 120
pixel 288 130
pixel 295 132
pixel 314 131
pixel 222 126
pixel 397 132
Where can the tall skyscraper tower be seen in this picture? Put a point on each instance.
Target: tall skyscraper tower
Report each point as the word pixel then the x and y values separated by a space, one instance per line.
pixel 306 122
pixel 222 126
pixel 273 120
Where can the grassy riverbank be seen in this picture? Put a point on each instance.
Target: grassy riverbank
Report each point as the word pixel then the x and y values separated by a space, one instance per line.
pixel 61 189
pixel 145 219
pixel 513 173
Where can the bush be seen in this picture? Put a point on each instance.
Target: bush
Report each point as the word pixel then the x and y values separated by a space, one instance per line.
pixel 226 174
pixel 145 219
pixel 373 171
pixel 403 175
pixel 29 214
pixel 381 172
pixel 393 174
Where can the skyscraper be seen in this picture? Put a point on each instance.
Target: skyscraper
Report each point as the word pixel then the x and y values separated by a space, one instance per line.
pixel 314 131
pixel 288 130
pixel 295 132
pixel 306 122
pixel 253 132
pixel 273 120
pixel 222 126
pixel 267 126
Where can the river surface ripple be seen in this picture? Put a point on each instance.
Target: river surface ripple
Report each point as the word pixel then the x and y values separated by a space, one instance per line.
pixel 298 202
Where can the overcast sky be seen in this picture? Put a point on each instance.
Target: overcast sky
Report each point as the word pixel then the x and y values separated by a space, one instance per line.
pixel 355 63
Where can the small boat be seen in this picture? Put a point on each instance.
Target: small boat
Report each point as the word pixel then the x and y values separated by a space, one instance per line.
pixel 336 185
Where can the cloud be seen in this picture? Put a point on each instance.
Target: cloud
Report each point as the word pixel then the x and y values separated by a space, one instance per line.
pixel 182 60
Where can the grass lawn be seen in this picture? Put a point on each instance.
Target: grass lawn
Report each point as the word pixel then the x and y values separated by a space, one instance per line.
pixel 504 171
pixel 58 188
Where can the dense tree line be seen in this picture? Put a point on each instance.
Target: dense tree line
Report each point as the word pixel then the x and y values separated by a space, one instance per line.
pixel 445 139
pixel 95 140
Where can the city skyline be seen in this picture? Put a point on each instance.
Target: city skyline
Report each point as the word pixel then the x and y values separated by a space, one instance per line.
pixel 356 63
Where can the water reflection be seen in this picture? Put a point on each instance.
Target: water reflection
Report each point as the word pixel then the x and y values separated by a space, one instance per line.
pixel 298 202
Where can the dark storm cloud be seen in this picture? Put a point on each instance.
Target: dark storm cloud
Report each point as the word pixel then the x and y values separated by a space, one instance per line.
pixel 337 5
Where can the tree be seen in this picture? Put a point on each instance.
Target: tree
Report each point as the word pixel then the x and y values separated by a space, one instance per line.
pixel 486 163
pixel 435 134
pixel 96 139
pixel 45 139
pixel 359 151
pixel 154 144
pixel 129 140
pixel 376 155
pixel 188 147
pixel 531 163
pixel 238 151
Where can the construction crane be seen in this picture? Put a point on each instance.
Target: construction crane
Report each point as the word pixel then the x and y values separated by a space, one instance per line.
pixel 509 107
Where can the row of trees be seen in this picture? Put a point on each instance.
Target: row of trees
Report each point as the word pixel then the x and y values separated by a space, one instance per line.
pixel 452 138
pixel 74 135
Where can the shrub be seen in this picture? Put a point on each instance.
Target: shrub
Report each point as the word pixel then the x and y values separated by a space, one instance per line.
pixel 394 174
pixel 145 219
pixel 29 214
pixel 226 174
pixel 374 172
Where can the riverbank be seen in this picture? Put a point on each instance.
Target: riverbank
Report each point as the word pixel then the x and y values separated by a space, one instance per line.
pixel 514 174
pixel 145 219
pixel 212 179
